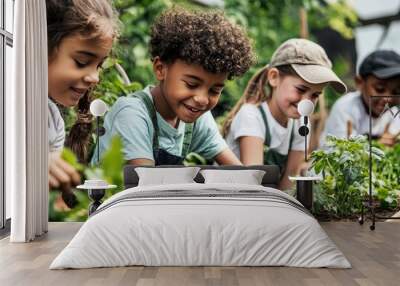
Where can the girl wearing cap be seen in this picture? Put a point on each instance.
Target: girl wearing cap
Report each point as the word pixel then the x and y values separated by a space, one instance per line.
pixel 378 75
pixel 263 126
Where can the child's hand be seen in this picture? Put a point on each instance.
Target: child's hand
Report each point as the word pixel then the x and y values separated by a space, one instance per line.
pixel 303 168
pixel 61 174
pixel 388 138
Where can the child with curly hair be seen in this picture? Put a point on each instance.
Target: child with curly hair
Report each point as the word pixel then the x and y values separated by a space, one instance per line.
pixel 80 36
pixel 193 53
pixel 263 126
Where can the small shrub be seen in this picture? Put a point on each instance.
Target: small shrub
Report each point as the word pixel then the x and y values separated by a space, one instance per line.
pixel 344 165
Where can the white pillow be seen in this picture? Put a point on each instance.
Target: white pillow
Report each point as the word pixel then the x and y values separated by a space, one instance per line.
pixel 163 176
pixel 248 177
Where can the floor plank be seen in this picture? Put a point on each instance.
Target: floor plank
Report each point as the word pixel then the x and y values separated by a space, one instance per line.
pixel 374 255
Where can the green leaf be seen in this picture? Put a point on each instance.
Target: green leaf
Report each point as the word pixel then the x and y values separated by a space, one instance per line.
pixel 112 162
pixel 345 165
pixel 68 156
pixel 193 159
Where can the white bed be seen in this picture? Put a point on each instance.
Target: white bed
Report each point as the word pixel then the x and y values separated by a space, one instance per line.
pixel 203 225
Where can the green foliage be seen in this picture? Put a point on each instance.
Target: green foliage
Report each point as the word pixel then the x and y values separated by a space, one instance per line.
pixel 112 163
pixel 110 170
pixel 112 84
pixel 194 159
pixel 78 213
pixel 268 22
pixel 344 166
pixel 338 15
pixel 387 173
pixel 132 49
pixel 68 156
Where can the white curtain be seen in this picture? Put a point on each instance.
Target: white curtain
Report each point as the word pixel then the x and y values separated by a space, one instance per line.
pixel 26 124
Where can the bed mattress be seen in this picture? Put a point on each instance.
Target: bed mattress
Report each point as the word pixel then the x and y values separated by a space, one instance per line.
pixel 201 225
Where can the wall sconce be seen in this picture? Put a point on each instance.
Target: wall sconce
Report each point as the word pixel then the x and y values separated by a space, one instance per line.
pixel 98 108
pixel 304 184
pixel 97 187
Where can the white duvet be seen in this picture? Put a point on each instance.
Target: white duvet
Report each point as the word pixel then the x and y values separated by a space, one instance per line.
pixel 201 224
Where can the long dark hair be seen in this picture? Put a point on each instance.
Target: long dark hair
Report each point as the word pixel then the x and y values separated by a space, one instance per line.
pixel 92 19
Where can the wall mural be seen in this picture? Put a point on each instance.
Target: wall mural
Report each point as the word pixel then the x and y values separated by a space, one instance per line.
pixel 133 90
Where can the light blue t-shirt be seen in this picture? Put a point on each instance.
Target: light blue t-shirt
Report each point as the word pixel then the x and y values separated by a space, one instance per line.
pixel 129 119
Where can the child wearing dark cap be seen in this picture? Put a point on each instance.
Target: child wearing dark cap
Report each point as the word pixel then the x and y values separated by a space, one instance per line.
pixel 379 75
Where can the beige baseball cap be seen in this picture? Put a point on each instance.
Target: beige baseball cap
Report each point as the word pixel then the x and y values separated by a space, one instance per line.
pixel 310 62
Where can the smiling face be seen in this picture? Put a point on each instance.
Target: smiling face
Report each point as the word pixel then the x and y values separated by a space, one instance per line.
pixel 373 86
pixel 74 67
pixel 186 91
pixel 289 90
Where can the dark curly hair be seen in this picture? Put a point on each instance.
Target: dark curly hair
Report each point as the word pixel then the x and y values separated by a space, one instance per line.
pixel 205 38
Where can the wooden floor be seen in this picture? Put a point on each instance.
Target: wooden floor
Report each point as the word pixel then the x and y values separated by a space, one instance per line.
pixel 375 256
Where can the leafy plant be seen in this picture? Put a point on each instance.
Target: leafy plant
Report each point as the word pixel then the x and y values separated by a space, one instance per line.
pixel 110 170
pixel 193 159
pixel 268 23
pixel 388 173
pixel 338 15
pixel 344 165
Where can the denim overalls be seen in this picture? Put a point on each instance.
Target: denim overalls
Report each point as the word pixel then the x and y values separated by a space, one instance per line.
pixel 162 157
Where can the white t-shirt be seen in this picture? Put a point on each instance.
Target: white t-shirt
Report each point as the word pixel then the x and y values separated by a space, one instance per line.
pixel 249 122
pixel 351 108
pixel 56 130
